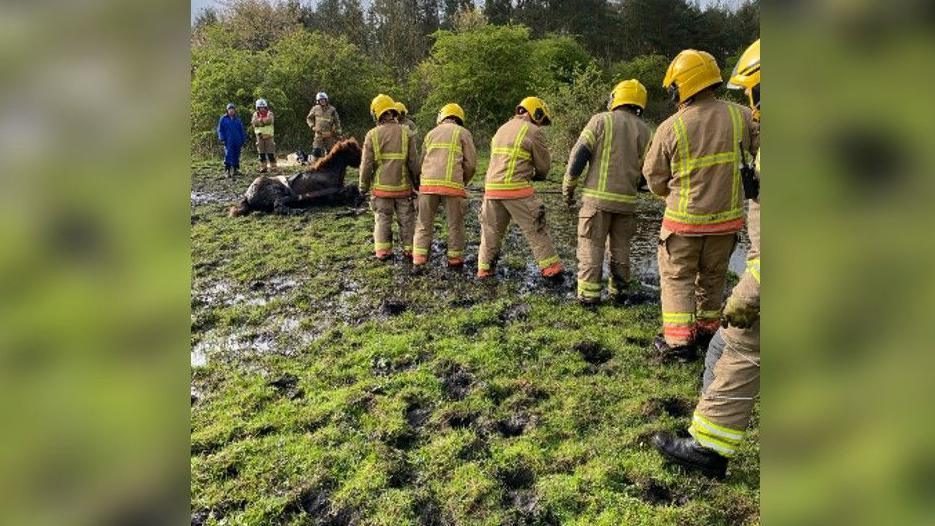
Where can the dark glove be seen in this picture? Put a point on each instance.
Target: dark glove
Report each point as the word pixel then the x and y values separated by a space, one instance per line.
pixel 739 315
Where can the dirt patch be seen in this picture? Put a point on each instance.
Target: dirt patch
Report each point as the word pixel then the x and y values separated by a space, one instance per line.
pixel 393 307
pixel 416 415
pixel 525 508
pixel 676 407
pixel 514 425
pixel 593 352
pixel 456 381
pixel 514 313
pixel 516 477
pixel 316 503
pixel 287 386
pixel 653 492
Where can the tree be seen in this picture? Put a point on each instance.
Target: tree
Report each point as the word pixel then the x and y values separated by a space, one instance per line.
pixel 499 11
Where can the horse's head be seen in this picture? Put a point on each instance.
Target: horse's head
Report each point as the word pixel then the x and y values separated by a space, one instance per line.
pixel 343 154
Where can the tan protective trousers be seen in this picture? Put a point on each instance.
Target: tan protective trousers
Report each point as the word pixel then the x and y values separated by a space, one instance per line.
pixel 455 209
pixel 529 213
pixel 265 145
pixel 384 208
pixel 597 230
pixel 692 274
pixel 723 413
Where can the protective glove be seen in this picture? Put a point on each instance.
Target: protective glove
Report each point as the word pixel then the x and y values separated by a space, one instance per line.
pixel 740 315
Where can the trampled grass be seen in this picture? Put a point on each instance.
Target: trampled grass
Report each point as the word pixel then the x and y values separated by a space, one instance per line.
pixel 328 388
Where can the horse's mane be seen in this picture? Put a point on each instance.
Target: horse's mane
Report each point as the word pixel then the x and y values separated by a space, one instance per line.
pixel 336 151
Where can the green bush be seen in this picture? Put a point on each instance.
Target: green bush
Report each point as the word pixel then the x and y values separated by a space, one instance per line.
pixel 650 70
pixel 486 70
pixel 572 106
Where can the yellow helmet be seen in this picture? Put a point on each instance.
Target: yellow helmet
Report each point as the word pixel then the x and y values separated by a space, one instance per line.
pixel 401 108
pixel 538 110
pixel 450 110
pixel 380 105
pixel 746 76
pixel 691 72
pixel 628 92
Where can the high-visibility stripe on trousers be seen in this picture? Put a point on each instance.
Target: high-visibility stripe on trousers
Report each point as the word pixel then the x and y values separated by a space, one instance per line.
pixel 692 274
pixel 455 209
pixel 529 214
pixel 384 209
pixel 599 230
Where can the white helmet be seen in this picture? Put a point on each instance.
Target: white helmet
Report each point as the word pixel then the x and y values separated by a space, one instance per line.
pixel 261 103
pixel 321 95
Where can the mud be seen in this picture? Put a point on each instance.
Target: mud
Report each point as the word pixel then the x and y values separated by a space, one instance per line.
pixel 655 493
pixel 456 382
pixel 676 407
pixel 526 509
pixel 514 425
pixel 593 352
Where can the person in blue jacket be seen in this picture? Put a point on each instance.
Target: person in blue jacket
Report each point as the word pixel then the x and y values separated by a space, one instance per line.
pixel 232 134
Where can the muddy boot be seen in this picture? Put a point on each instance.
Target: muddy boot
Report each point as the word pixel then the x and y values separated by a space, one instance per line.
pixel 588 302
pixel 228 172
pixel 682 353
pixel 689 453
pixel 456 263
pixel 486 274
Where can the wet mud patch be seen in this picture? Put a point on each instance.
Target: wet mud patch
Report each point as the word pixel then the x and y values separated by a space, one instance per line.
pixel 675 407
pixel 513 425
pixel 593 352
pixel 287 386
pixel 516 476
pixel 525 508
pixel 316 504
pixel 514 313
pixel 654 492
pixel 393 307
pixel 456 381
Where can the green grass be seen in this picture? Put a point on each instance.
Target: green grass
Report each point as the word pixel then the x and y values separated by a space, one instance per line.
pixel 320 403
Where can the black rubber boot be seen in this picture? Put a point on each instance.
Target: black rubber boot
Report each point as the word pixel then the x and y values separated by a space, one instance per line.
pixel 682 353
pixel 689 453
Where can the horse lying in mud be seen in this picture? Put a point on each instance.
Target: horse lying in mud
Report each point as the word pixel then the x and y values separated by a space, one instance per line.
pixel 320 184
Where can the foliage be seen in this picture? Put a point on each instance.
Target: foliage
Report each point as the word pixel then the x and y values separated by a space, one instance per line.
pixel 573 104
pixel 650 70
pixel 487 71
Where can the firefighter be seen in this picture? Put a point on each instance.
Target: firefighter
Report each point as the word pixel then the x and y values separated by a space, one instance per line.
pixel 518 156
pixel 262 122
pixel 449 161
pixel 325 124
pixel 694 162
pixel 612 147
pixel 390 167
pixel 732 372
pixel 404 117
pixel 232 136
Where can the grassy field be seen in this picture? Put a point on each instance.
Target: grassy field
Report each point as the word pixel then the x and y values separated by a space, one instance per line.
pixel 331 389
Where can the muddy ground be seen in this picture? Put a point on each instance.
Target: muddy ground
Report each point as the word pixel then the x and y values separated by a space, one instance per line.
pixel 328 388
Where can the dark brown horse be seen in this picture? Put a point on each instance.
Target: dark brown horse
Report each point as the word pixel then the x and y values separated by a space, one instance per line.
pixel 320 184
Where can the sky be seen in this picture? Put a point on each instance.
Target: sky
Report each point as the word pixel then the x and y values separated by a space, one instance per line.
pixel 198 5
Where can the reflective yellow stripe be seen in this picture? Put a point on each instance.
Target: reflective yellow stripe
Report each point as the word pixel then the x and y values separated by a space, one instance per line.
pixel 515 153
pixel 684 156
pixel 737 123
pixel 710 442
pixel 587 285
pixel 753 267
pixel 442 182
pixel 704 219
pixel 453 148
pixel 507 186
pixel 483 266
pixel 724 433
pixel 420 251
pixel 610 196
pixel 709 314
pixel 589 138
pixel 379 156
pixel 605 151
pixel 455 253
pixel 678 317
pixel 388 244
pixel 548 261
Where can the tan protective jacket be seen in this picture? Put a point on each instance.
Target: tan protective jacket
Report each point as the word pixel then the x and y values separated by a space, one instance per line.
pixel 389 161
pixel 617 141
pixel 449 160
pixel 262 127
pixel 694 161
pixel 324 121
pixel 518 155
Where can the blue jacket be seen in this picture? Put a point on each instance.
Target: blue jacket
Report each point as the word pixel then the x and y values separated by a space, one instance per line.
pixel 231 130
